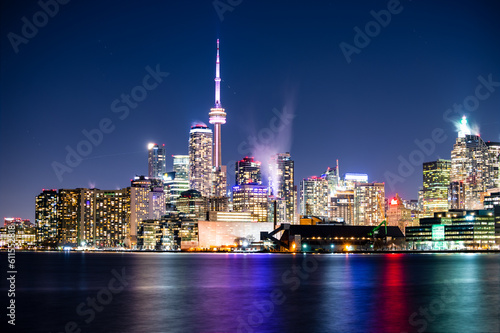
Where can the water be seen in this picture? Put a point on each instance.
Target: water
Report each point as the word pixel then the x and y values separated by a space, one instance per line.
pixel 185 292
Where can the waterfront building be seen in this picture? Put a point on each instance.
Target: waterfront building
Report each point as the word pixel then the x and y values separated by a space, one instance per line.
pixel 337 237
pixel 172 232
pixel 217 234
pixel 436 180
pixel 139 204
pixel 25 234
pixel 68 216
pixel 200 159
pixel 492 199
pixel 282 184
pixel 156 161
pixel 247 171
pixel 148 235
pixel 46 216
pixel 369 203
pixel 112 226
pixel 454 230
pixel 251 198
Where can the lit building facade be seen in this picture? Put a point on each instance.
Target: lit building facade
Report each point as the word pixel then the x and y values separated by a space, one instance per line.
pixel 46 216
pixel 200 159
pixel 454 230
pixel 282 184
pixel 369 203
pixel 341 206
pixel 112 217
pixel 247 171
pixel 68 215
pixel 251 198
pixel 398 214
pixel 474 164
pixel 193 205
pixel 351 179
pixel 314 197
pixel 139 203
pixel 333 177
pixel 436 179
pixel 156 161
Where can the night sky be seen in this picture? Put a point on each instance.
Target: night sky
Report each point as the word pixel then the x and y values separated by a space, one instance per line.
pixel 367 113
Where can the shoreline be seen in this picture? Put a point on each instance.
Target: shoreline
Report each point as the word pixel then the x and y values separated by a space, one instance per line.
pixel 264 252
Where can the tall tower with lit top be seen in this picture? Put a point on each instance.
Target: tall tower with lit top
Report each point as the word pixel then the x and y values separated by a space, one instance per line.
pixel 217 114
pixel 217 117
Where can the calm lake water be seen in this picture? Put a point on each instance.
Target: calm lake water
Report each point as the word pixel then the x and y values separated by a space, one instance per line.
pixel 185 292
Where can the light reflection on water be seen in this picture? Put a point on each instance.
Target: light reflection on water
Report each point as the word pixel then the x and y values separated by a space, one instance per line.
pixel 230 292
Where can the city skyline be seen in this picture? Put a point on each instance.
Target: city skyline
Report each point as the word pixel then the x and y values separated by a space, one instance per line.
pixel 48 133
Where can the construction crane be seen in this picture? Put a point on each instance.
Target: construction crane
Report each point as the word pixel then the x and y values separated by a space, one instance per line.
pixel 375 230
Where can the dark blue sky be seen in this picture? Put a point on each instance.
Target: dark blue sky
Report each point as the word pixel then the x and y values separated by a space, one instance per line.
pixel 365 113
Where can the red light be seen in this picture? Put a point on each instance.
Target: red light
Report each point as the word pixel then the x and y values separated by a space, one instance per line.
pixel 394 201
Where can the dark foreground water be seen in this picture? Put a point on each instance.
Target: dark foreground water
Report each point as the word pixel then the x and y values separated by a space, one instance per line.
pixel 158 292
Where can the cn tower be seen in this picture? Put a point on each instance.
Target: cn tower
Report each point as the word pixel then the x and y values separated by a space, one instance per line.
pixel 217 115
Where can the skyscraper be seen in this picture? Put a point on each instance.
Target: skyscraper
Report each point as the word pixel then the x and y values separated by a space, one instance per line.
pixel 156 161
pixel 139 204
pixel 436 179
pixel 181 166
pixel 112 227
pixel 46 216
pixel 217 117
pixel 333 177
pixel 369 203
pixel 282 184
pixel 314 197
pixel 177 181
pixel 247 171
pixel 474 167
pixel 200 159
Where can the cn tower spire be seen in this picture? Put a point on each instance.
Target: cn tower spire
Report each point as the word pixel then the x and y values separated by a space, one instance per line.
pixel 217 115
pixel 217 79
